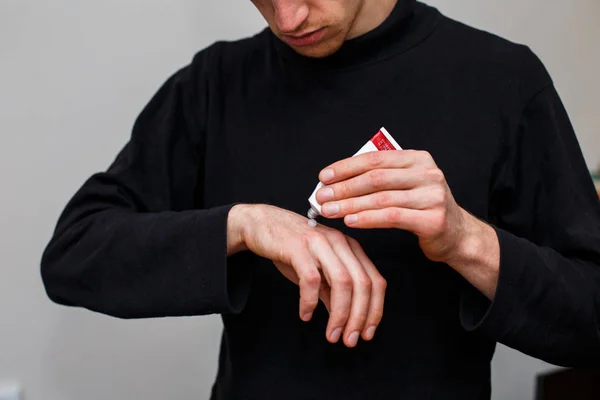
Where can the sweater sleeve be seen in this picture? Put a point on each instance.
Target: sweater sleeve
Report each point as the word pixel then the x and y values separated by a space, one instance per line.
pixel 133 241
pixel 547 217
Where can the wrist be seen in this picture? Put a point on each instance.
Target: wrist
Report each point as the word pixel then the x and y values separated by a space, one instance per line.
pixel 471 242
pixel 237 224
pixel 477 255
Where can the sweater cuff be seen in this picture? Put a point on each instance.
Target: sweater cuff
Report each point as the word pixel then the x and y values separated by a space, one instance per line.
pixel 230 278
pixel 477 312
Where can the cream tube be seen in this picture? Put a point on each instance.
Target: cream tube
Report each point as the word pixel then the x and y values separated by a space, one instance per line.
pixel 382 141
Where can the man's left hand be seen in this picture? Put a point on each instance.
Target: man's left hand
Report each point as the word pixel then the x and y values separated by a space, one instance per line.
pixel 402 189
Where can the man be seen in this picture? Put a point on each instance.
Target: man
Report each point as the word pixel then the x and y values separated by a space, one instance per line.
pixel 486 230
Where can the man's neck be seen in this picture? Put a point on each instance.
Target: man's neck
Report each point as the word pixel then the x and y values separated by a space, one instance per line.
pixel 371 15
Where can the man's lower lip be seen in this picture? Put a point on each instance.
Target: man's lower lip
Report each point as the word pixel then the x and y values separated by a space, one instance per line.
pixel 307 40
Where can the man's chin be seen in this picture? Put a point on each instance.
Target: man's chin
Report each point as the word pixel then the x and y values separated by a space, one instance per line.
pixel 317 51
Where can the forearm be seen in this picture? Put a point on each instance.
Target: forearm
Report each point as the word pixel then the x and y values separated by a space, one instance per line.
pixel 477 257
pixel 138 265
pixel 542 305
pixel 545 304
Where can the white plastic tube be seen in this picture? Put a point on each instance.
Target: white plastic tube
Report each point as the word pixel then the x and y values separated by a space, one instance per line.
pixel 382 141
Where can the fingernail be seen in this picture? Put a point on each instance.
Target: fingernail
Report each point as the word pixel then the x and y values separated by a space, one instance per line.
pixel 331 209
pixel 353 339
pixel 326 194
pixel 307 317
pixel 327 175
pixel 371 333
pixel 351 219
pixel 335 335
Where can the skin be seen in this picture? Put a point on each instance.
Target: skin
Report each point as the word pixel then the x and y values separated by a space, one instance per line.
pixel 342 20
pixel 389 189
pixel 323 262
pixel 406 190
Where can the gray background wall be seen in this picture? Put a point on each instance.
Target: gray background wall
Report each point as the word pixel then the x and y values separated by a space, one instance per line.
pixel 73 76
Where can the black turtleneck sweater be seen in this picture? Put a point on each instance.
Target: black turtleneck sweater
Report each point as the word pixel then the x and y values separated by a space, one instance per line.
pixel 253 122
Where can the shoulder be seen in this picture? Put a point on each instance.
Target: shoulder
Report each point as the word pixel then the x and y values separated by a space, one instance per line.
pixel 484 54
pixel 230 57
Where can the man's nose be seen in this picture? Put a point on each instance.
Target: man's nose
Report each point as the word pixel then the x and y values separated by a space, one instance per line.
pixel 290 14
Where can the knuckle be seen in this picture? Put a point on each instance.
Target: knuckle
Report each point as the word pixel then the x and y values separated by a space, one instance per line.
pixel 374 159
pixel 350 207
pixel 377 178
pixel 394 215
pixel 312 279
pixel 412 155
pixel 407 197
pixel 317 238
pixel 362 315
pixel 344 281
pixel 306 239
pixel 304 242
pixel 337 236
pixel 382 199
pixel 425 155
pixel 436 175
pixel 380 284
pixel 440 196
pixel 341 189
pixel 365 283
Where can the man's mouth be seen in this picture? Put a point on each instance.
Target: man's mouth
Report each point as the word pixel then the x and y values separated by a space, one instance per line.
pixel 305 39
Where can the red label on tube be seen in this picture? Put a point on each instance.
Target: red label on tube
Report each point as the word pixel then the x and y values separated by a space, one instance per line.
pixel 381 142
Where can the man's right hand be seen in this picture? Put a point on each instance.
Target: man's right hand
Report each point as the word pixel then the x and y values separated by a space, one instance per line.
pixel 324 262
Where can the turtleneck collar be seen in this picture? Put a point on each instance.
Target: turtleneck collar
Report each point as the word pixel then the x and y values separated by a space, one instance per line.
pixel 408 23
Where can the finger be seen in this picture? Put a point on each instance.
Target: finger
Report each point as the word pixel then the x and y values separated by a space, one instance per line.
pixel 324 289
pixel 287 271
pixel 374 181
pixel 418 222
pixel 360 164
pixel 421 198
pixel 325 296
pixel 340 282
pixel 309 281
pixel 361 293
pixel 325 292
pixel 379 286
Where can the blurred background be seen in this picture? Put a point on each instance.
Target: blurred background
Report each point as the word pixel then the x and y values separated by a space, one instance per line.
pixel 74 74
